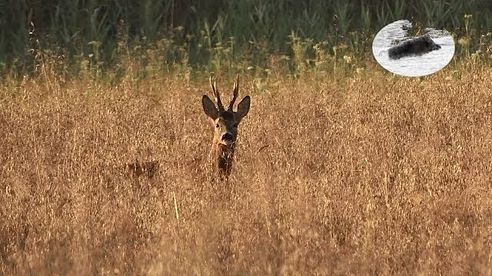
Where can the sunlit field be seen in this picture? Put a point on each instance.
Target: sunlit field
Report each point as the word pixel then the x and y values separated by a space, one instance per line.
pixel 365 174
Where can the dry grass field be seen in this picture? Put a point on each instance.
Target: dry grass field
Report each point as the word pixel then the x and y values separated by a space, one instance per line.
pixel 365 175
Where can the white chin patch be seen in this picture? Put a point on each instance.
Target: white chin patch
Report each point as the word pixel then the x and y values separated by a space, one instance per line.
pixel 226 143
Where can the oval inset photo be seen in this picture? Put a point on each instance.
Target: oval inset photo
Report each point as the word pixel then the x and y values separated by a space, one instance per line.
pixel 412 56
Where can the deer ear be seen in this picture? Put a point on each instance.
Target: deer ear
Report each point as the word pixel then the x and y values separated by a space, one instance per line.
pixel 243 108
pixel 209 108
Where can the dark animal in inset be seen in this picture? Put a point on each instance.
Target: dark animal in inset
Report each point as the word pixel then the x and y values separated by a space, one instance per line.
pixel 415 46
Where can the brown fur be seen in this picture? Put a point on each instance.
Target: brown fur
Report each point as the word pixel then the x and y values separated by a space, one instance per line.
pixel 148 168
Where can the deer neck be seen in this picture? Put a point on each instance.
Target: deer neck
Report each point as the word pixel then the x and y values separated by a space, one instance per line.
pixel 223 156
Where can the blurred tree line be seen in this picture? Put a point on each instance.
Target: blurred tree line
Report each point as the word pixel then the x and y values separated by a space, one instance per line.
pixel 198 27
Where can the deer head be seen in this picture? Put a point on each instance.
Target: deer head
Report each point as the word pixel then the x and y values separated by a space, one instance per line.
pixel 225 122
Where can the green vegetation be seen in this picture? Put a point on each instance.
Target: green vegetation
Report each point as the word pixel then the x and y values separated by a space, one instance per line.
pixel 218 35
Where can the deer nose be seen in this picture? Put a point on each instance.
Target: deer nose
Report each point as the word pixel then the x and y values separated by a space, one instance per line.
pixel 227 137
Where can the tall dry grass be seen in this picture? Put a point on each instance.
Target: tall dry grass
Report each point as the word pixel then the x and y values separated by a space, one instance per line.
pixel 370 174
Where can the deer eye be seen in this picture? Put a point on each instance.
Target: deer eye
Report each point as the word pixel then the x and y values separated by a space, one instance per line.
pixel 217 125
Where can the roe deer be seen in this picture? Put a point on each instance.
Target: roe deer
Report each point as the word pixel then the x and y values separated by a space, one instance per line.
pixel 225 123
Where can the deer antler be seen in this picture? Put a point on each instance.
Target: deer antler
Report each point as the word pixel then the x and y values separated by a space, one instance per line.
pixel 213 85
pixel 235 92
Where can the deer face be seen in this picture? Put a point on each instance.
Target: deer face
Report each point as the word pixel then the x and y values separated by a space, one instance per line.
pixel 226 129
pixel 225 122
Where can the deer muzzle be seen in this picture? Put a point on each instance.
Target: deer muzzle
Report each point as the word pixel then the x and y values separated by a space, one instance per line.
pixel 227 139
